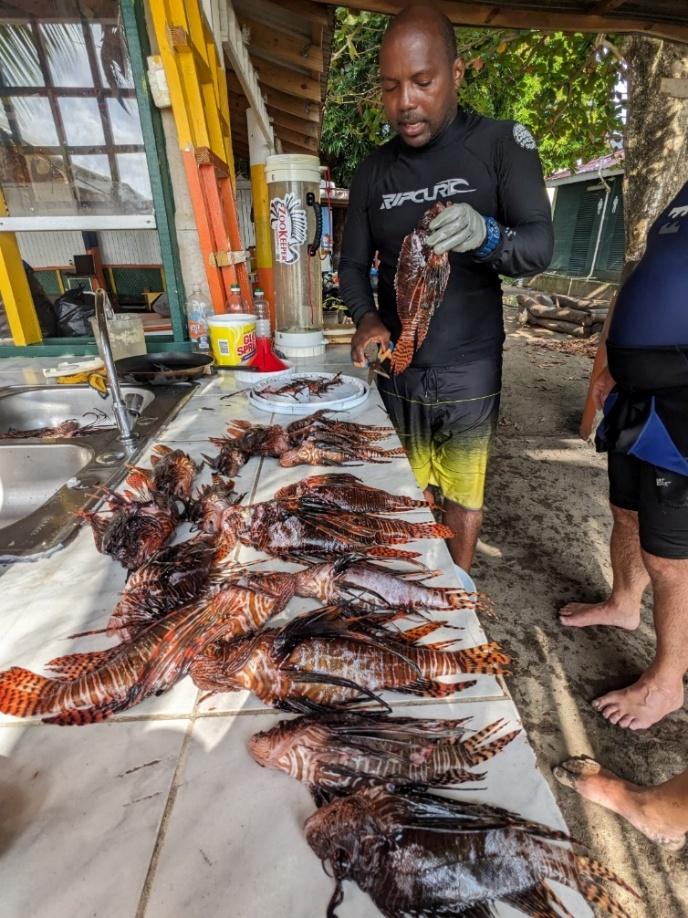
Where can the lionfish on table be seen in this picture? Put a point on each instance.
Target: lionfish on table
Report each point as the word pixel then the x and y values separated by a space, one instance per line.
pixel 64 431
pixel 314 386
pixel 172 474
pixel 321 660
pixel 420 282
pixel 343 491
pixel 91 687
pixel 212 504
pixel 355 579
pixel 314 440
pixel 421 855
pixel 291 531
pixel 337 754
pixel 132 526
pixel 175 576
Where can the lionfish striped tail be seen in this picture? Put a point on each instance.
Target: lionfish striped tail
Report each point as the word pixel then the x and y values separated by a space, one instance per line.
pixel 384 551
pixel 430 531
pixel 485 659
pixel 24 693
pixel 597 871
pixel 79 717
pixel 73 665
pixel 434 689
pixel 413 635
pixel 481 752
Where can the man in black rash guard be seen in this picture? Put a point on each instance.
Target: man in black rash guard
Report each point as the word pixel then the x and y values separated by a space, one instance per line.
pixel 444 406
pixel 645 432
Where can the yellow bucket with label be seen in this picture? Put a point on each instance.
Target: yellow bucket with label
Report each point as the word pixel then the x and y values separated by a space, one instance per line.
pixel 233 339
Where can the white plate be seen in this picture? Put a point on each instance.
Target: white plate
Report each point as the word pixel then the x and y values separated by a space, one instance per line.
pixel 349 393
pixel 249 376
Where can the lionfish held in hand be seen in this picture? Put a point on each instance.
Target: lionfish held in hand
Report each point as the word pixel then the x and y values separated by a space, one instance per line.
pixel 90 687
pixel 321 660
pixel 337 754
pixel 420 282
pixel 418 854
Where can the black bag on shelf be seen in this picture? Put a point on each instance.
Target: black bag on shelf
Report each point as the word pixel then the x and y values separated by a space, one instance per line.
pixel 73 310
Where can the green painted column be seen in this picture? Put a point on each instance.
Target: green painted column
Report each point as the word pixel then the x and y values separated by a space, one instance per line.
pixel 134 20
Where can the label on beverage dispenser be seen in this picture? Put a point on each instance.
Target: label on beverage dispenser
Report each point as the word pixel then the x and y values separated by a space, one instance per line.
pixel 290 225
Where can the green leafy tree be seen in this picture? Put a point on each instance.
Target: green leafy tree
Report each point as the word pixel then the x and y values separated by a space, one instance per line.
pixel 565 88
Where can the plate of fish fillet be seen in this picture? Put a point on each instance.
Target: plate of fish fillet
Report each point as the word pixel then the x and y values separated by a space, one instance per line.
pixel 305 392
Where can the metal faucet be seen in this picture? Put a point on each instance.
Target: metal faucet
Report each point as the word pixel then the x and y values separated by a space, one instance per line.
pixel 121 412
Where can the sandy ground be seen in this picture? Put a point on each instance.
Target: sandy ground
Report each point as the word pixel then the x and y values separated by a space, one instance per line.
pixel 544 541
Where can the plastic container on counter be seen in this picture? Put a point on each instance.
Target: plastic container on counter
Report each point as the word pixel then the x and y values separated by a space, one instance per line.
pixel 233 339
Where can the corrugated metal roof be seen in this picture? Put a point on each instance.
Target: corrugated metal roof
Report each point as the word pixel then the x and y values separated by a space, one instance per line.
pixel 612 162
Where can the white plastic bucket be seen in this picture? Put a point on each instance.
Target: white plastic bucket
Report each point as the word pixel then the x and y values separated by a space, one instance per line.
pixel 233 339
pixel 292 167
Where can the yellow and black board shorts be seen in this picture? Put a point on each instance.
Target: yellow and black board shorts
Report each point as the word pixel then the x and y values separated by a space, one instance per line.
pixel 445 418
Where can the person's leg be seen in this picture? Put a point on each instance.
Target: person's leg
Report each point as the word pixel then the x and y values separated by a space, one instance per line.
pixel 630 578
pixel 659 690
pixel 465 524
pixel 403 398
pixel 622 608
pixel 663 519
pixel 660 812
pixel 465 420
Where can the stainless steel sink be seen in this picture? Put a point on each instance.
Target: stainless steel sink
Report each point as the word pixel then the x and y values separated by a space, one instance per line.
pixel 30 408
pixel 30 473
pixel 44 482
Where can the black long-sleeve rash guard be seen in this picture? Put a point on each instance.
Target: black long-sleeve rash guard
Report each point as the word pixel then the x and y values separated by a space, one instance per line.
pixel 493 166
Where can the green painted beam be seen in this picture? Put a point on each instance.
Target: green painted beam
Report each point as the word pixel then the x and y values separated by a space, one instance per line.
pixel 80 347
pixel 133 17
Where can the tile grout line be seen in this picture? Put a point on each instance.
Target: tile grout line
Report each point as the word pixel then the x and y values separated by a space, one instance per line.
pixel 174 786
pixel 167 814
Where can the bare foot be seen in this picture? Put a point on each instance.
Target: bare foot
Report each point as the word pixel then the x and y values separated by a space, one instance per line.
pixel 634 803
pixel 642 704
pixel 583 614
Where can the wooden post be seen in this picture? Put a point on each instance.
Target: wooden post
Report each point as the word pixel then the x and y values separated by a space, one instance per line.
pixel 258 153
pixel 15 292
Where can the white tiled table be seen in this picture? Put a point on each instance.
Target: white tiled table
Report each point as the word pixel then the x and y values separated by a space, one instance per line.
pixel 161 812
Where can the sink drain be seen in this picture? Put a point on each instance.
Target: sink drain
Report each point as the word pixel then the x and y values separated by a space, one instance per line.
pixel 110 456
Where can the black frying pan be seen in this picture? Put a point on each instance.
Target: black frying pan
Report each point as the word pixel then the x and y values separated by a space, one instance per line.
pixel 164 368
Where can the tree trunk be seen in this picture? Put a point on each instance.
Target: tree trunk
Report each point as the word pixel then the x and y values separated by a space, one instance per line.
pixel 655 139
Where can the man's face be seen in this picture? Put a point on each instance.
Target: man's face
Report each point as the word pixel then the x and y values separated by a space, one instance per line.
pixel 418 84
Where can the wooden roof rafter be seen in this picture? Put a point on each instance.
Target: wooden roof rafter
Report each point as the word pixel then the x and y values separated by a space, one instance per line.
pixel 288 44
pixel 657 18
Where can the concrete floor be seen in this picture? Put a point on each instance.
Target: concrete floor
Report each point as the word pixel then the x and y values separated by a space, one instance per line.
pixel 545 541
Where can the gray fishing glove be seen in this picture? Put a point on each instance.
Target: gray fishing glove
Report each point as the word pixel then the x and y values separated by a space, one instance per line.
pixel 458 228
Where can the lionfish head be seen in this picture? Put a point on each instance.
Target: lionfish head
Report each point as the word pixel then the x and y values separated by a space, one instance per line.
pixel 334 832
pixel 423 226
pixel 268 746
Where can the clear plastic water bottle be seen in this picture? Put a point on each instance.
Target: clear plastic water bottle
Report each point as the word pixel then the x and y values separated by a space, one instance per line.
pixel 197 313
pixel 235 302
pixel 262 311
